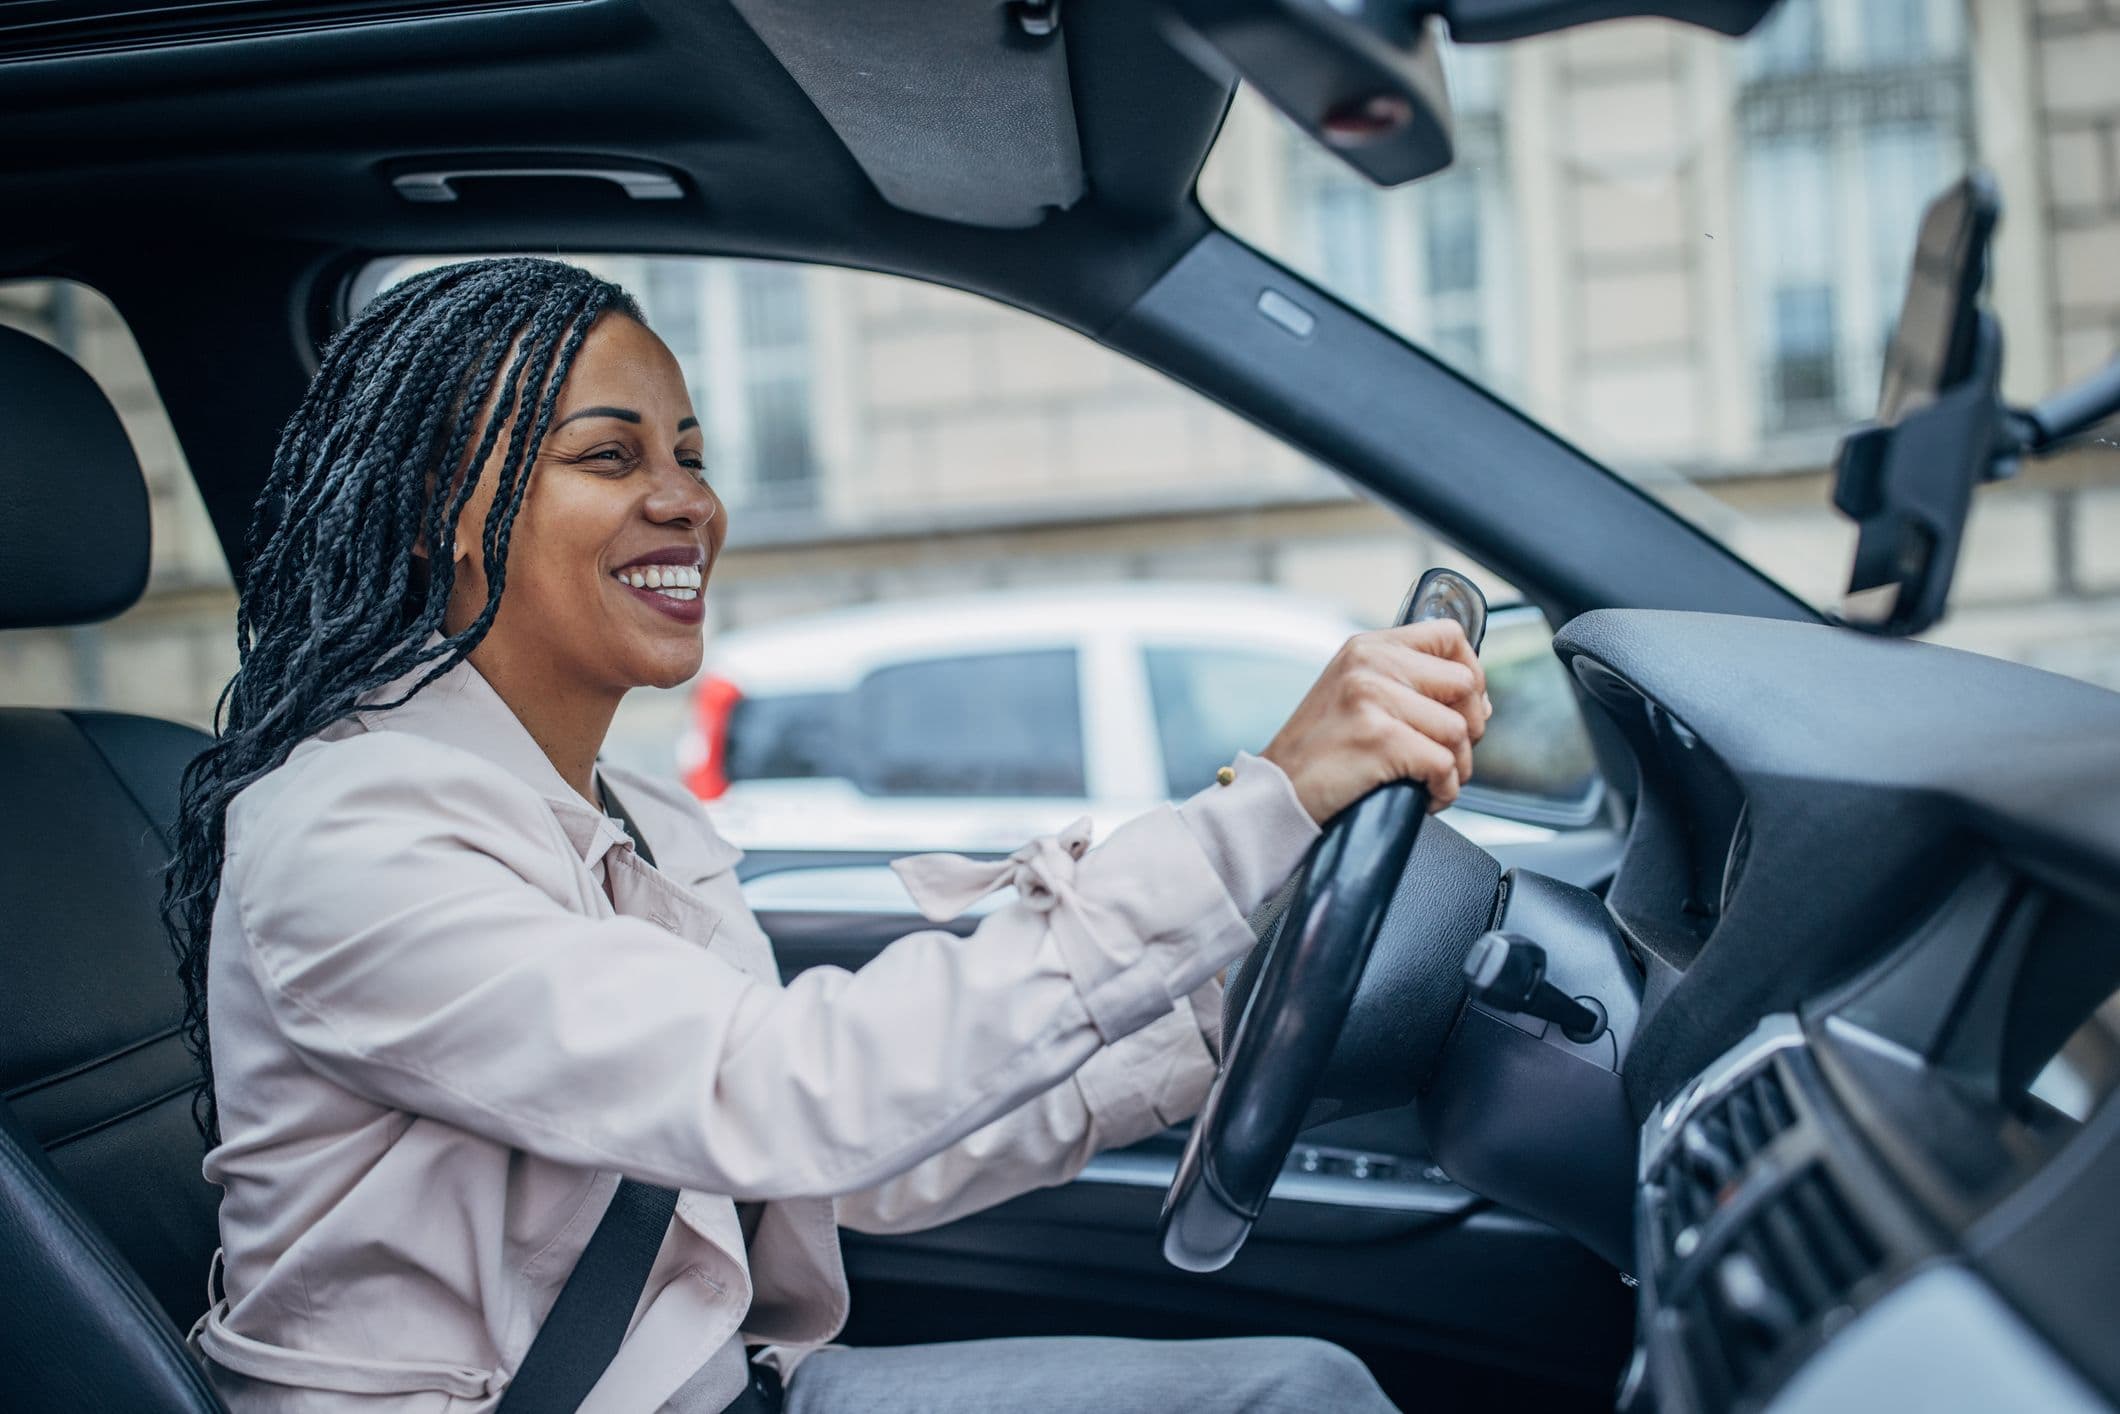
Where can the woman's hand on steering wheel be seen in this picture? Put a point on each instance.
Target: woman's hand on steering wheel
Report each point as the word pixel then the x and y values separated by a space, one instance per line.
pixel 1394 704
pixel 1384 735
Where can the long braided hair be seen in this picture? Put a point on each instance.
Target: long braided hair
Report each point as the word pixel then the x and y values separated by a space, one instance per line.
pixel 336 604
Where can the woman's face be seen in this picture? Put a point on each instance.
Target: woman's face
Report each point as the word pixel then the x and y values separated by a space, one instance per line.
pixel 618 494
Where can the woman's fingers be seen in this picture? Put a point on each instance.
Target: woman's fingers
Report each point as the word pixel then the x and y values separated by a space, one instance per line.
pixel 1440 638
pixel 1447 680
pixel 1432 724
pixel 1404 703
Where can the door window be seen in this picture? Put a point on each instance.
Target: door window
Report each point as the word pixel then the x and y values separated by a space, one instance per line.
pixel 1211 703
pixel 791 736
pixel 996 724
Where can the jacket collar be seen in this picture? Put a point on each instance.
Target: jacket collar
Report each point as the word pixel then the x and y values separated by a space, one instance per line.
pixel 461 709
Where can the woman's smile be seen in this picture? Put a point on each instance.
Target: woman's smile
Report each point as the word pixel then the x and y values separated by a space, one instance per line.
pixel 668 581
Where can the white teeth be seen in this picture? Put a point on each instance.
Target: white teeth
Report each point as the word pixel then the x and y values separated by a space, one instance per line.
pixel 677 581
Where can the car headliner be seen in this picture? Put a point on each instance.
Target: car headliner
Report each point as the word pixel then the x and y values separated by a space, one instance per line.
pixel 284 139
pixel 196 185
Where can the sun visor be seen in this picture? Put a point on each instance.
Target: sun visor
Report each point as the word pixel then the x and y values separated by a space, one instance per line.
pixel 950 107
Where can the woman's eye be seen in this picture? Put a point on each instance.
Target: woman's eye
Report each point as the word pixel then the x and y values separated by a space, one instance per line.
pixel 606 458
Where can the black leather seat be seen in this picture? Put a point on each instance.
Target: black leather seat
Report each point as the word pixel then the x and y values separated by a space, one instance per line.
pixel 106 1226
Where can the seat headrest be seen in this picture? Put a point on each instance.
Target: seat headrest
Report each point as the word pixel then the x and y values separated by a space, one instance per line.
pixel 74 528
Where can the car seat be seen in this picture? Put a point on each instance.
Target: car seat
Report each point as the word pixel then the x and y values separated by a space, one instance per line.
pixel 107 1227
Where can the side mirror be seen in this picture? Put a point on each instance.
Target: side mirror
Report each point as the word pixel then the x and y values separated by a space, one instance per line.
pixel 1536 764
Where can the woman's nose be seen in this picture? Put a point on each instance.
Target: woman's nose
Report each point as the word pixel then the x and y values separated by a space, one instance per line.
pixel 680 496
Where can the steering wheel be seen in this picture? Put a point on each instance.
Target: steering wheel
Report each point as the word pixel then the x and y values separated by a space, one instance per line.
pixel 1306 981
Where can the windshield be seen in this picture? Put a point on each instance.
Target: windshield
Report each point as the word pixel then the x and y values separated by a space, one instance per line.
pixel 1686 253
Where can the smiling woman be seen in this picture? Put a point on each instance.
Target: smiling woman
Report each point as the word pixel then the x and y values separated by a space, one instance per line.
pixel 453 998
pixel 344 597
pixel 618 485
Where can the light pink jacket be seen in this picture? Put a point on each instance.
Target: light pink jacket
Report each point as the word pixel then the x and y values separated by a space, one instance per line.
pixel 438 1043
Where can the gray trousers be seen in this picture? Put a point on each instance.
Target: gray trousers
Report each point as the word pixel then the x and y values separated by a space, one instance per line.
pixel 1088 1375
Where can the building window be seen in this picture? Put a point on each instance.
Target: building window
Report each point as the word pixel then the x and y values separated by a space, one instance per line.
pixel 1428 259
pixel 1853 115
pixel 741 331
pixel 774 320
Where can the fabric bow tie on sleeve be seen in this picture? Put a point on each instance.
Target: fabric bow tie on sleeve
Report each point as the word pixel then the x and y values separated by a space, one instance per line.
pixel 943 886
pixel 1107 974
pixel 1104 969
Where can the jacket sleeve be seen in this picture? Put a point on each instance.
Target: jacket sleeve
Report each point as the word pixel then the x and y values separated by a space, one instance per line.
pixel 1254 832
pixel 389 907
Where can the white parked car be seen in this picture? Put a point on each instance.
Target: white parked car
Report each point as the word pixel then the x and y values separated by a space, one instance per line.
pixel 975 722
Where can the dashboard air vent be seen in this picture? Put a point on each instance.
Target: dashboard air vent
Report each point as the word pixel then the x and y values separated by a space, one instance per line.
pixel 1789 1270
pixel 1756 1249
pixel 59 29
pixel 1714 1150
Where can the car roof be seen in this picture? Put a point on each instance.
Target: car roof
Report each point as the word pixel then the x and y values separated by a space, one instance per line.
pixel 831 650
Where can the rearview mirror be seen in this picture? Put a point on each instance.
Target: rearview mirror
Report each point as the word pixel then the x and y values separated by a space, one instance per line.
pixel 1364 79
pixel 1482 21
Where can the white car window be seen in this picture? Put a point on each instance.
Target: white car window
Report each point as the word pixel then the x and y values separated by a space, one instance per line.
pixel 785 737
pixel 1211 702
pixel 1001 724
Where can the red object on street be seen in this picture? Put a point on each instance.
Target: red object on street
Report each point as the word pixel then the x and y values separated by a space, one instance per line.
pixel 705 752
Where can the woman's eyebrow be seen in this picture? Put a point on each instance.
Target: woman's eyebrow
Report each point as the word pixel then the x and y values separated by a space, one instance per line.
pixel 622 414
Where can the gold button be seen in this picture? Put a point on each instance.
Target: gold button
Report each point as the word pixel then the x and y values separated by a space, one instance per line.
pixel 1224 776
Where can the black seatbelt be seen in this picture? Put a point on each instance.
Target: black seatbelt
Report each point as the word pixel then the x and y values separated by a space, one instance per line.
pixel 581 1336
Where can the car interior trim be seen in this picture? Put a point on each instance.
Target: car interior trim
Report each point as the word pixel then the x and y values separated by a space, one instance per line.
pixel 1129 1169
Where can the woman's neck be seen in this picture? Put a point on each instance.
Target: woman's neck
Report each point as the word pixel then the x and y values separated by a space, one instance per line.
pixel 568 723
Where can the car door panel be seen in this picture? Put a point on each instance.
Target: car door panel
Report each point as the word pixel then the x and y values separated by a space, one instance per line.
pixel 1488 1285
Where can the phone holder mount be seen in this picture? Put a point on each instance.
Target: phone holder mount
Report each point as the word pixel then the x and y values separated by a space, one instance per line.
pixel 1909 485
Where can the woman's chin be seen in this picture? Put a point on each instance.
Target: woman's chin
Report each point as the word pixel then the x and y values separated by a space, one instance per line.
pixel 666 664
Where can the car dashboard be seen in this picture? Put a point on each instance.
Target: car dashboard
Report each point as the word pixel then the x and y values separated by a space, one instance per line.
pixel 1827 1220
pixel 1874 889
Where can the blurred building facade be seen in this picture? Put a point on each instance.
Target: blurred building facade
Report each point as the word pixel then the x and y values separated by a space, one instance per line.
pixel 1682 252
